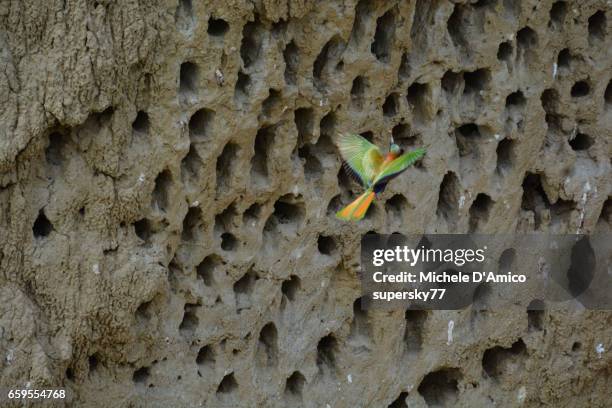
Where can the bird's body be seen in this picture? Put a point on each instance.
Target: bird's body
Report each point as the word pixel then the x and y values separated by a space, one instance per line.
pixel 365 162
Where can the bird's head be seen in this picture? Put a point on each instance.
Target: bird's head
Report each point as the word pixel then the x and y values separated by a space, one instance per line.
pixel 395 150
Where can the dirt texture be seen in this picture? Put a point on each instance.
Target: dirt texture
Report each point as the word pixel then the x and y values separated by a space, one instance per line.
pixel 168 179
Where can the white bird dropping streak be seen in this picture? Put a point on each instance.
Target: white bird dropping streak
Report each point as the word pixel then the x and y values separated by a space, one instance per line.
pixel 449 333
pixel 522 394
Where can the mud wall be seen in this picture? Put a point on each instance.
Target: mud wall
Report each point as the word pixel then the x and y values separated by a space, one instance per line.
pixel 168 179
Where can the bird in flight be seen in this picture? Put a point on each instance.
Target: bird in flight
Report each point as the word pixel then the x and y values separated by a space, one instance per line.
pixel 369 167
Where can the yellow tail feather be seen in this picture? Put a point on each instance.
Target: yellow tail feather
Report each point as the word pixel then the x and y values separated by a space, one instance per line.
pixel 358 208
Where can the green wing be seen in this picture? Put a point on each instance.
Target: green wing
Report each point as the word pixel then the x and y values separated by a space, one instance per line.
pixel 362 157
pixel 398 166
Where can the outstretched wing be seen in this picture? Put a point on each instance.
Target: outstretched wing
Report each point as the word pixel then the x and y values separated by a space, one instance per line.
pixel 397 166
pixel 362 157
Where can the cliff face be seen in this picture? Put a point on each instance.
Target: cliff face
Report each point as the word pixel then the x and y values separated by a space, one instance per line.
pixel 168 179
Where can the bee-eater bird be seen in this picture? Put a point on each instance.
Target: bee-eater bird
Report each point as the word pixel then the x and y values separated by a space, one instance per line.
pixel 366 164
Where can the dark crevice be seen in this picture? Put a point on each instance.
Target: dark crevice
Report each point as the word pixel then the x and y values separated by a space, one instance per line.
pixel 384 36
pixel 217 27
pixel 498 362
pixel 200 125
pixel 449 197
pixel 290 287
pixel 480 211
pixel 291 55
pixel 225 166
pixel 440 388
pixel 163 184
pixel 188 79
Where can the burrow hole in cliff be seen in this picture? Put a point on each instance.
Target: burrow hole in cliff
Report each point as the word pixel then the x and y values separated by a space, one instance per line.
pixel 143 229
pixel 329 58
pixel 228 385
pixel 266 354
pixel 480 211
pixel 291 55
pixel 144 312
pixel 272 102
pixel 200 125
pixel 92 362
pixel 606 212
pixel 468 137
pixel 363 15
pixel 184 16
pixel 192 224
pixel 384 36
pixel 326 245
pixel 224 224
pixel 252 39
pixel 242 89
pixel 54 153
pixel 580 89
pixel 191 165
pixel 418 96
pixel 42 226
pixel 359 89
pixel 141 123
pixel 506 156
pixel 294 386
pixel 206 269
pixel 557 14
pixel 304 122
pixel 391 105
pixel 251 215
pixel 449 197
pixel 141 376
pixel 608 95
pixel 189 76
pixel 264 140
pixel 243 290
pixel 535 315
pixel 526 38
pixel 440 388
pixel 451 82
pixel 476 81
pixel 217 27
pixel 312 156
pixel 515 109
pixel 582 267
pixel 396 208
pixel 161 191
pixel 504 51
pixel 226 162
pixel 581 142
pixel 404 137
pixel 536 200
pixel 326 352
pixel 499 362
pixel 400 401
pixel 205 358
pixel 287 218
pixel 564 60
pixel 190 321
pixel 506 260
pixel 360 326
pixel 413 332
pixel 597 27
pixel 290 287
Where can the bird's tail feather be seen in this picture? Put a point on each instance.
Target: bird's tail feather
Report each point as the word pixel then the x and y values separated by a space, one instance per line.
pixel 358 208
